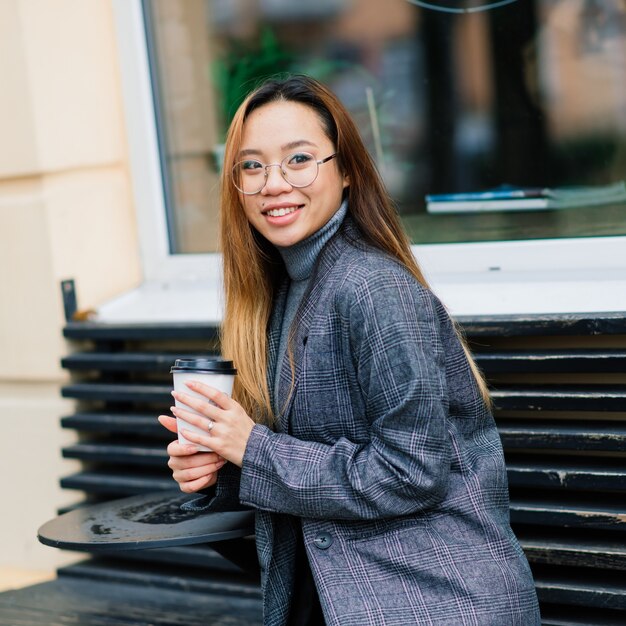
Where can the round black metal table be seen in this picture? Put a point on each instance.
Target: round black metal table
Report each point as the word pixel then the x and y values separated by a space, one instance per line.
pixel 153 520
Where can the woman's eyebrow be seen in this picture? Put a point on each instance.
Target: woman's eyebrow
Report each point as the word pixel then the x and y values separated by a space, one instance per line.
pixel 249 152
pixel 292 145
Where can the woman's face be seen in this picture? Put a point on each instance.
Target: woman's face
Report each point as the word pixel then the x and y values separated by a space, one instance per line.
pixel 283 214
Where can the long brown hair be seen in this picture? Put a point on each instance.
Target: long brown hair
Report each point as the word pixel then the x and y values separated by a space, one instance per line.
pixel 252 264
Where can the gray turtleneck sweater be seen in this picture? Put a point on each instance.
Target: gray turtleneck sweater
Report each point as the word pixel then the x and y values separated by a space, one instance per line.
pixel 300 260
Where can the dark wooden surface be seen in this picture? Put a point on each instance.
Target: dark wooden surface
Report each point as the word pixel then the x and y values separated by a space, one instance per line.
pixel 125 361
pixel 115 422
pixel 97 331
pixel 86 602
pixel 557 324
pixel 559 389
pixel 550 361
pixel 573 434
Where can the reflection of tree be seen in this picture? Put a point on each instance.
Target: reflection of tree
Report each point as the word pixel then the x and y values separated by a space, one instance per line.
pixel 245 65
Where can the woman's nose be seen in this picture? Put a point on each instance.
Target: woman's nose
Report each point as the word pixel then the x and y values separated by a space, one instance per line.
pixel 274 181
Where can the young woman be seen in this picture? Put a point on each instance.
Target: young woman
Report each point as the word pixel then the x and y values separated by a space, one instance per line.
pixel 359 427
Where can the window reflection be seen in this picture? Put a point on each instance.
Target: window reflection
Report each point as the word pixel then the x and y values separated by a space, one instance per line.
pixel 530 94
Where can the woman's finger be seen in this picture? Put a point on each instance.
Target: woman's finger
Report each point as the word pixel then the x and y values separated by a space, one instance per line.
pixel 189 454
pixel 191 418
pixel 200 439
pixel 168 422
pixel 221 399
pixel 200 483
pixel 199 406
pixel 200 459
pixel 191 474
pixel 176 449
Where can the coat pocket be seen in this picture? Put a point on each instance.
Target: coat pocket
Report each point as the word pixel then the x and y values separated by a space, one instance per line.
pixel 368 530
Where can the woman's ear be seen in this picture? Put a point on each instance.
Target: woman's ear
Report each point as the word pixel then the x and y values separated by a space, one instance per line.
pixel 346 181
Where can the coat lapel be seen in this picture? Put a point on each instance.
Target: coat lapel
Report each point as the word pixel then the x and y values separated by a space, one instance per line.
pixel 273 337
pixel 311 300
pixel 289 381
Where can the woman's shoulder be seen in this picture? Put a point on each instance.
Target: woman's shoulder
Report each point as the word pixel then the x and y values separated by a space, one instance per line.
pixel 371 274
pixel 362 265
pixel 357 271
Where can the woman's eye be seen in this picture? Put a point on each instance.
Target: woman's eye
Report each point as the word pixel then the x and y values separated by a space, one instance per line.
pixel 301 158
pixel 248 166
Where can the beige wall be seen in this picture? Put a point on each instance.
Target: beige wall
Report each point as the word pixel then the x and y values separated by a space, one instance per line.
pixel 66 211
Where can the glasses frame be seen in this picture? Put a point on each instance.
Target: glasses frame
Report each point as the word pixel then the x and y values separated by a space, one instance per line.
pixel 282 172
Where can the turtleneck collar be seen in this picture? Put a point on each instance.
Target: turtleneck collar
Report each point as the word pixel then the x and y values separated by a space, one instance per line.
pixel 300 258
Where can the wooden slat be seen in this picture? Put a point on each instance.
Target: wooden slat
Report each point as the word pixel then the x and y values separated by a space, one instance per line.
pixel 238 556
pixel 598 618
pixel 563 615
pixel 198 556
pixel 118 484
pixel 497 362
pixel 114 423
pixel 575 552
pixel 570 435
pixel 125 361
pixel 561 589
pixel 532 472
pixel 166 576
pixel 560 398
pixel 551 324
pixel 119 392
pixel 475 326
pixel 118 453
pixel 570 514
pixel 553 361
pixel 71 601
pixel 97 331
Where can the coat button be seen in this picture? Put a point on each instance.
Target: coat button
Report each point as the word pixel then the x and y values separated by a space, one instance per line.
pixel 323 540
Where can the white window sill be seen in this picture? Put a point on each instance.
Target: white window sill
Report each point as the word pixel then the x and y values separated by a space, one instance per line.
pixel 155 302
pixel 464 294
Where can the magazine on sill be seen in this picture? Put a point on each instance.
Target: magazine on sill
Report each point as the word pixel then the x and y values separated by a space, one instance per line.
pixel 508 198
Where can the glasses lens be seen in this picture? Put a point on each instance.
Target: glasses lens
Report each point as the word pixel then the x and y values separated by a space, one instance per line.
pixel 249 176
pixel 299 169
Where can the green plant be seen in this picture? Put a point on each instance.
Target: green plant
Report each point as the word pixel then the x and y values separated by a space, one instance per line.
pixel 244 66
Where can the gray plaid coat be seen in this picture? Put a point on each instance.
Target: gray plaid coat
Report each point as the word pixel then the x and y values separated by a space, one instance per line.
pixel 394 473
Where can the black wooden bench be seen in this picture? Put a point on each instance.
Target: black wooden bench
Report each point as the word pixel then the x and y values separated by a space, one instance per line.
pixel 559 387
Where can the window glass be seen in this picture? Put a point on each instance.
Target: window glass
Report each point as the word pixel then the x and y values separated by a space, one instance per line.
pixel 523 95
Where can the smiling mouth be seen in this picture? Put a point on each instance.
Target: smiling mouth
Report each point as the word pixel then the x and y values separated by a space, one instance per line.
pixel 282 211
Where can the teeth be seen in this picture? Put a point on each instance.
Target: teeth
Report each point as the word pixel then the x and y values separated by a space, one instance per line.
pixel 281 212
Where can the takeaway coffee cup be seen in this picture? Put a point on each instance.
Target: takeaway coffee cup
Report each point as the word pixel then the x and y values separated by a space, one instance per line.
pixel 214 372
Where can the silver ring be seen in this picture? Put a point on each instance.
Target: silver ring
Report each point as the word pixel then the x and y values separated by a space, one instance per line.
pixel 210 425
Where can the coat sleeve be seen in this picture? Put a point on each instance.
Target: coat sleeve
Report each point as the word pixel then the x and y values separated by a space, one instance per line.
pixel 396 347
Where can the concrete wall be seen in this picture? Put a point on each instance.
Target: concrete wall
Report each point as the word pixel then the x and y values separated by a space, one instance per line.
pixel 66 211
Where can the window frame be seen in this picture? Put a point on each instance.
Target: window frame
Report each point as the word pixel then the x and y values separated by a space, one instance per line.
pixel 479 278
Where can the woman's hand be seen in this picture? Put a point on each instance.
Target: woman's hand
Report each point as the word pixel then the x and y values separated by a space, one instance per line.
pixel 192 470
pixel 226 424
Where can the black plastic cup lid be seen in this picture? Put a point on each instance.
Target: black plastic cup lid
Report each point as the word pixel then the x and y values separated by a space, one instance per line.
pixel 207 366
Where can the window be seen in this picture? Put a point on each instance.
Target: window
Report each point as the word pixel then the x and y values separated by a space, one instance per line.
pixel 529 94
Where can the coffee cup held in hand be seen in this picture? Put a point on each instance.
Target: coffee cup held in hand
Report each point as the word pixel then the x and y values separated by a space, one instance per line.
pixel 215 372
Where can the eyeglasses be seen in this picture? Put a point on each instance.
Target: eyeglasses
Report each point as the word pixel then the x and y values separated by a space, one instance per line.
pixel 299 170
